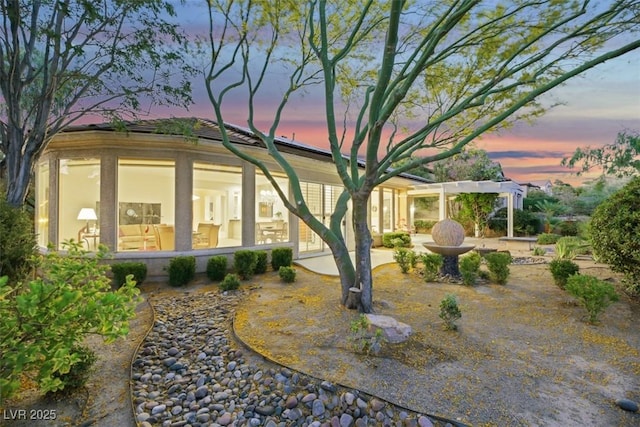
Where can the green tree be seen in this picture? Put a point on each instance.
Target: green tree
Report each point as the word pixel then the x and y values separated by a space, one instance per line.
pixel 472 165
pixel 402 83
pixel 620 159
pixel 62 60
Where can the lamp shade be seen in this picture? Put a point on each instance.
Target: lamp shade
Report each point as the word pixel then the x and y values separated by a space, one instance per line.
pixel 87 214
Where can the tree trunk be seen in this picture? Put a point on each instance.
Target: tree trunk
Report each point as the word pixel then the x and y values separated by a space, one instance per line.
pixel 364 278
pixel 18 172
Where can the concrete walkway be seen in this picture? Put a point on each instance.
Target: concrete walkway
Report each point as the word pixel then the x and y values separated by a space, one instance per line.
pixel 324 264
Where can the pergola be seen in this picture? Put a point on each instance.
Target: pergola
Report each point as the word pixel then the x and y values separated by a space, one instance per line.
pixel 512 191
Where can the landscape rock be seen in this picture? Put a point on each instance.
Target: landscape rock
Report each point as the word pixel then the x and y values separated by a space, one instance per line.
pixel 394 331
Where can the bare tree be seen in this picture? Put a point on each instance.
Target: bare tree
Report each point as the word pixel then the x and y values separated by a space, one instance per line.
pixel 404 82
pixel 62 60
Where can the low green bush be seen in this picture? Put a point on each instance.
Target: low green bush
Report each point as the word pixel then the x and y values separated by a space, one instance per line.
pixel 244 263
pixel 406 259
pixel 525 223
pixel 469 266
pixel 79 371
pixel 18 247
pixel 431 264
pixel 561 270
pixel 498 265
pixel 261 262
pixel 281 257
pixel 230 282
pixel 593 294
pixel 424 226
pixel 121 270
pixel 450 312
pixel 396 239
pixel 182 270
pixel 45 319
pixel 217 267
pixel 538 251
pixel 567 228
pixel 547 238
pixel 287 274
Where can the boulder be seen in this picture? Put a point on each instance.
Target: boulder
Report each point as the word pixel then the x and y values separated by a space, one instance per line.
pixel 393 330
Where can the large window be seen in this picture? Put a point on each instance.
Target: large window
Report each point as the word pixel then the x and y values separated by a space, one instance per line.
pixel 79 199
pixel 271 215
pixel 146 205
pixel 42 204
pixel 217 206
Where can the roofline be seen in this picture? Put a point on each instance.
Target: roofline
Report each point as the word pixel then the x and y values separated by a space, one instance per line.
pixel 290 146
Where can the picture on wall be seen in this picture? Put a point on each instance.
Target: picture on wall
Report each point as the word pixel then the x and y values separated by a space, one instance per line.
pixel 265 210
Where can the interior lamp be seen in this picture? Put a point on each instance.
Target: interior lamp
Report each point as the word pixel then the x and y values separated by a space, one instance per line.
pixel 87 214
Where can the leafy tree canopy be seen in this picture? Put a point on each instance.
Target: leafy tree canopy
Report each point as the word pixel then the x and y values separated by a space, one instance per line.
pixel 403 83
pixel 620 158
pixel 62 60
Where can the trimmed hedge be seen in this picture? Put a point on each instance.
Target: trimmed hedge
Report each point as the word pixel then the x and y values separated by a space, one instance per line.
pixel 396 239
pixel 182 270
pixel 217 267
pixel 121 270
pixel 244 263
pixel 281 257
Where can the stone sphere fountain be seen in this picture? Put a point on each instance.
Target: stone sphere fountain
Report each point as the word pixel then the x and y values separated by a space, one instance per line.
pixel 448 238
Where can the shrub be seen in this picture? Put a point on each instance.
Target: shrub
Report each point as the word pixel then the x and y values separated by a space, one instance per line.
pixel 538 251
pixel 79 371
pixel 422 225
pixel 396 239
pixel 450 312
pixel 281 257
pixel 498 265
pixel 217 267
pixel 547 238
pixel 45 319
pixel 230 282
pixel 362 339
pixel 182 270
pixel 431 264
pixel 525 223
pixel 261 262
pixel 121 270
pixel 406 259
pixel 614 231
pixel 244 263
pixel 17 242
pixel 570 246
pixel 561 270
pixel 593 294
pixel 287 274
pixel 469 266
pixel 567 228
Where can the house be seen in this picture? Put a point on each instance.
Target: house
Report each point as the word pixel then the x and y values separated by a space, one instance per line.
pixel 150 194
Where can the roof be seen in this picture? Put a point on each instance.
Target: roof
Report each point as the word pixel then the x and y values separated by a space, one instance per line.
pixel 457 187
pixel 210 130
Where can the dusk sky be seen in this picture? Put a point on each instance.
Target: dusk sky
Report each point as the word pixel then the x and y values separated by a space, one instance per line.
pixel 597 105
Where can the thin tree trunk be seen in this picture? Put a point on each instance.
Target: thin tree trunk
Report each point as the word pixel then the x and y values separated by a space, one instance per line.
pixel 364 278
pixel 18 173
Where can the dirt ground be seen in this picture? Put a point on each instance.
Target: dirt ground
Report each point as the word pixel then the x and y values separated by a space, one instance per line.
pixel 523 354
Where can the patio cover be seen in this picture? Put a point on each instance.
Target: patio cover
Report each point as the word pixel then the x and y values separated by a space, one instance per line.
pixel 512 191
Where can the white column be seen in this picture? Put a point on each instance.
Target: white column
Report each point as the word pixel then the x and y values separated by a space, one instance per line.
pixel 443 204
pixel 510 215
